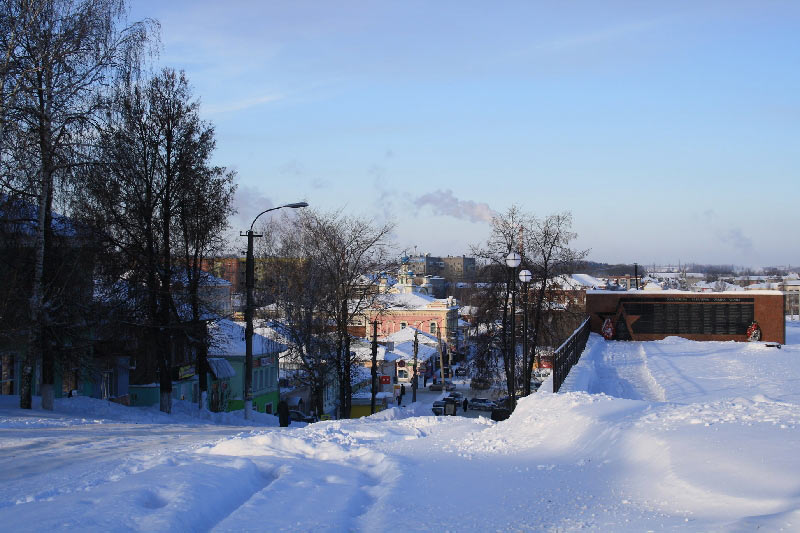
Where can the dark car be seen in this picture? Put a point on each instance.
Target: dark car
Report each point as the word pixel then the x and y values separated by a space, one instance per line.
pixel 503 401
pixel 500 413
pixel 481 404
pixel 298 416
pixel 457 395
pixel 480 383
pixel 448 406
pixel 448 386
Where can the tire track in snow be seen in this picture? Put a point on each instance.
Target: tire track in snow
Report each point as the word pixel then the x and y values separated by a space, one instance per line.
pixel 326 481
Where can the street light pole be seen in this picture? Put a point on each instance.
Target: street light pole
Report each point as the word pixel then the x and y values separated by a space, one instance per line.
pixel 414 380
pixel 248 310
pixel 513 260
pixel 525 277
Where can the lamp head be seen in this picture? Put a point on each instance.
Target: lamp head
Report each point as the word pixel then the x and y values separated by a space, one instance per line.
pixel 297 204
pixel 524 276
pixel 513 259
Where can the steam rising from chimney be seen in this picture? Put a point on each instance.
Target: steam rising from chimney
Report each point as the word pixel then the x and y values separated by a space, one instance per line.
pixel 445 203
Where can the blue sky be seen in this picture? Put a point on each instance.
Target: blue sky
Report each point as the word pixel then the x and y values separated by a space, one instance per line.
pixel 670 130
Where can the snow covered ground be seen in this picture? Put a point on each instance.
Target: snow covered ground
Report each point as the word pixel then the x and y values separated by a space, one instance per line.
pixel 667 435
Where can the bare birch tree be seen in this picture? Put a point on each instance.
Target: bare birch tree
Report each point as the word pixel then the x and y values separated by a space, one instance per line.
pixel 68 53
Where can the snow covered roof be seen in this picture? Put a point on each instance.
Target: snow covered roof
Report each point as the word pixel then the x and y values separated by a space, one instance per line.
pixel 762 286
pixel 716 286
pixel 415 301
pixel 690 293
pixel 405 351
pixel 467 310
pixel 407 335
pixel 586 280
pixel 23 217
pixel 220 367
pixel 227 338
pixel 207 279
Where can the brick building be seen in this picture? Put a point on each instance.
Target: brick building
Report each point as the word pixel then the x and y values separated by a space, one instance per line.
pixel 645 316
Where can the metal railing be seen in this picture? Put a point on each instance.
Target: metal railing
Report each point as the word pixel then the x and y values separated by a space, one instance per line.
pixel 568 354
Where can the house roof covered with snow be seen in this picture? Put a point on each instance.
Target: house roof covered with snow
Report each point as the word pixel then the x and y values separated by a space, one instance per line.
pixel 415 301
pixel 228 339
pixel 407 335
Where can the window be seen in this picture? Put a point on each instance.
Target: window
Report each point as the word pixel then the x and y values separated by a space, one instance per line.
pixel 433 328
pixel 403 325
pixel 402 374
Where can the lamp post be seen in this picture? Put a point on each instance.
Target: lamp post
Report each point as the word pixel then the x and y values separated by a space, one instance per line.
pixel 248 310
pixel 525 277
pixel 513 260
pixel 415 378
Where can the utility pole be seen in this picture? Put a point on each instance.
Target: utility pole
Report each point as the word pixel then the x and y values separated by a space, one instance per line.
pixel 248 331
pixel 248 310
pixel 374 369
pixel 441 357
pixel 636 274
pixel 414 379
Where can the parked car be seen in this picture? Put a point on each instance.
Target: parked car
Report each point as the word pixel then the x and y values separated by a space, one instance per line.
pixel 480 383
pixel 299 416
pixel 481 404
pixel 448 386
pixel 500 413
pixel 503 401
pixel 457 395
pixel 448 406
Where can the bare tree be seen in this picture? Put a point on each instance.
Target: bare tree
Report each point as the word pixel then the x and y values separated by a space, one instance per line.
pixel 350 253
pixel 547 254
pixel 544 247
pixel 296 290
pixel 68 52
pixel 506 236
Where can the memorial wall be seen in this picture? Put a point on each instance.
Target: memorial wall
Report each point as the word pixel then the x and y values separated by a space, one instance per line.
pixel 645 315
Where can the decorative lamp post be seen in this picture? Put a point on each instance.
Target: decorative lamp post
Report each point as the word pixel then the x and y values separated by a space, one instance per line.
pixel 248 310
pixel 525 278
pixel 513 260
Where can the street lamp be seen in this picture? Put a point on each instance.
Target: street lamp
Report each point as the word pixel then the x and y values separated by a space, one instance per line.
pixel 415 379
pixel 525 277
pixel 248 310
pixel 513 260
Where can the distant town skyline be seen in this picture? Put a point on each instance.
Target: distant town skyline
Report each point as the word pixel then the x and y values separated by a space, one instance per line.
pixel 668 130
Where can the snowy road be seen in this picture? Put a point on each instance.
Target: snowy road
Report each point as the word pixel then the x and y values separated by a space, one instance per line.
pixel 649 436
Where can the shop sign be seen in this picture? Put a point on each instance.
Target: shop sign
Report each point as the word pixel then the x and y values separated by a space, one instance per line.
pixel 186 371
pixel 386 380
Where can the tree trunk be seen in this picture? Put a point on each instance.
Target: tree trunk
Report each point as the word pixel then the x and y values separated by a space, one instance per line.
pixel 340 364
pixel 202 366
pixel 37 297
pixel 348 396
